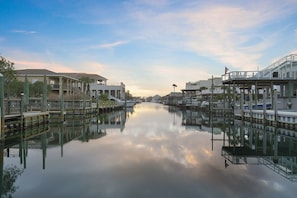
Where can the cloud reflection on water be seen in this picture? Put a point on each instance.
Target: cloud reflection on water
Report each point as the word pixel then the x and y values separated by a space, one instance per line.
pixel 152 157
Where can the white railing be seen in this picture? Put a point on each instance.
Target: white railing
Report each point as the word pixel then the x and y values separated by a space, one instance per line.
pixel 240 75
pixel 266 73
pixel 291 57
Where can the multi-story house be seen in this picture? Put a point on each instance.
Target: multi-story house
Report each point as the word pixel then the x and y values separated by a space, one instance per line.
pixel 91 85
pixel 59 83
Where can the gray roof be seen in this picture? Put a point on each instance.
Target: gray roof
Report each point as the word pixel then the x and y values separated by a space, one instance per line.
pixel 41 72
pixel 35 72
pixel 81 75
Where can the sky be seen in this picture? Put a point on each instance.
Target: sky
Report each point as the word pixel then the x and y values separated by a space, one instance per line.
pixel 149 45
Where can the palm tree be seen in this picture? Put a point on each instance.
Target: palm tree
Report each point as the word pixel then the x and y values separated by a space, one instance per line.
pixel 174 85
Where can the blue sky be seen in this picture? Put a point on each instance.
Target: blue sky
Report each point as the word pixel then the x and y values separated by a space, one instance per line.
pixel 147 44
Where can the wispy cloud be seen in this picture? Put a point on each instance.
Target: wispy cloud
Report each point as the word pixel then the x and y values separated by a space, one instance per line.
pixel 95 67
pixel 24 31
pixel 109 45
pixel 162 41
pixel 153 3
pixel 223 32
pixel 163 84
pixel 25 64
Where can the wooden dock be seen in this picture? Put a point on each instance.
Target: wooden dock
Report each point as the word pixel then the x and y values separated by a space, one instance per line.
pixel 30 119
pixel 13 124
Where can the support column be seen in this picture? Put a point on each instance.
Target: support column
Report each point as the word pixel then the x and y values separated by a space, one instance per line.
pixel 224 100
pixel 61 96
pixel 256 95
pixel 275 105
pixel 68 87
pixel 264 104
pixel 290 94
pixel 44 95
pixel 251 104
pixel 233 97
pixel 241 105
pixel 26 90
pixel 1 106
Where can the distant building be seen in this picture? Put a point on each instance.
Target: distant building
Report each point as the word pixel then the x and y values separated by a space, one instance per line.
pixel 174 98
pixel 196 91
pixel 114 91
pixel 156 99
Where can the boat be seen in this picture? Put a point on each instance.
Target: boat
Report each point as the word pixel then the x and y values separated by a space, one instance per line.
pixel 130 103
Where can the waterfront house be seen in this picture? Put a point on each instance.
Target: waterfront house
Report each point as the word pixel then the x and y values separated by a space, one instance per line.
pixel 72 83
pixel 275 84
pixel 59 83
pixel 115 91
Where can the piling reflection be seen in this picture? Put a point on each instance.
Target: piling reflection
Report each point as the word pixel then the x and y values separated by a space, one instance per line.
pixel 245 143
pixel 202 121
pixel 59 134
pixel 112 120
pixel 252 143
pixel 159 144
pixel 52 135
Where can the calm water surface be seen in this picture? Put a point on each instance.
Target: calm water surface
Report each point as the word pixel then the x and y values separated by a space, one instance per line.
pixel 151 154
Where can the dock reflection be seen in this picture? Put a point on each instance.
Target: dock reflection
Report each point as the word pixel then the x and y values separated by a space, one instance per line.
pixel 52 135
pixel 59 134
pixel 245 143
pixel 252 143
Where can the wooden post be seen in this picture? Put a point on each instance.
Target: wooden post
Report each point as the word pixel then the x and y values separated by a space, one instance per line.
pixel 61 96
pixel 26 95
pixel 211 101
pixel 264 104
pixel 1 164
pixel 1 106
pixel 275 106
pixel 233 102
pixel 256 94
pixel 44 95
pixel 251 104
pixel 241 105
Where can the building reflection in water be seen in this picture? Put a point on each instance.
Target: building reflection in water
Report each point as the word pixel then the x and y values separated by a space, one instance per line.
pixel 245 143
pixel 252 143
pixel 52 135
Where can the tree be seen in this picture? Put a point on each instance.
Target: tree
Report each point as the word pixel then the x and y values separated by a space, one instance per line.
pixel 174 85
pixel 87 80
pixel 8 72
pixel 128 95
pixel 103 97
pixel 9 177
pixel 36 89
pixel 16 88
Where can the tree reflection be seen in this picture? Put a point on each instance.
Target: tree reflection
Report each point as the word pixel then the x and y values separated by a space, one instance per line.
pixel 9 177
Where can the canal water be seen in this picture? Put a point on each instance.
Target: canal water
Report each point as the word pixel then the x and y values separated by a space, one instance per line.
pixel 151 151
